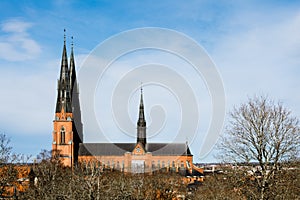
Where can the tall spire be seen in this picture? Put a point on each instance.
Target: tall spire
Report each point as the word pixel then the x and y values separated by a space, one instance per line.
pixel 63 86
pixel 72 71
pixel 64 62
pixel 141 124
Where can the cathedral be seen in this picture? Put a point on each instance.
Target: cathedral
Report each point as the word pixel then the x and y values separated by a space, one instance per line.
pixel 137 157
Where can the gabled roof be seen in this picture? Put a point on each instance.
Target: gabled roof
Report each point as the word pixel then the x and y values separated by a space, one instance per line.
pixel 104 149
pixel 119 149
pixel 168 149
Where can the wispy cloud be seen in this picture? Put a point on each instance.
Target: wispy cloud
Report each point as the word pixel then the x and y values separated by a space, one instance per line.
pixel 263 58
pixel 15 42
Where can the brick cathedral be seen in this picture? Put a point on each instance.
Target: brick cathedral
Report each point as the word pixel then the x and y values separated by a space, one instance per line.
pixel 137 157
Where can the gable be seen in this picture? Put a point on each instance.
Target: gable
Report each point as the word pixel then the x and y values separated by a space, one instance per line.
pixel 138 149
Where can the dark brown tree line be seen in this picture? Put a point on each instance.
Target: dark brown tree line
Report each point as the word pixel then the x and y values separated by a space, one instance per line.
pixel 235 183
pixel 57 182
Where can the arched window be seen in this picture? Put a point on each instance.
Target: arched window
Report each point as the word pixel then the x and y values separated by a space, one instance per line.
pixel 158 164
pixel 182 164
pixel 62 135
pixel 153 165
pixel 112 164
pixel 118 165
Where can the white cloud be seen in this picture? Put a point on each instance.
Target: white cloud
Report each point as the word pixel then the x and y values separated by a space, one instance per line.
pixel 261 58
pixel 15 42
pixel 15 26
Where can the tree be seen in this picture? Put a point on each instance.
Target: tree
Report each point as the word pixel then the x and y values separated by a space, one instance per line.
pixel 87 182
pixel 8 171
pixel 5 149
pixel 264 132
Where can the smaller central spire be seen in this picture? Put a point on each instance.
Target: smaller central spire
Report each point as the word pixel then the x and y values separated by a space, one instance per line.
pixel 141 113
pixel 141 124
pixel 141 100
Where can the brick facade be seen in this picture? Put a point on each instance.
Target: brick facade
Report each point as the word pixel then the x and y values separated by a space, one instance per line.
pixel 139 157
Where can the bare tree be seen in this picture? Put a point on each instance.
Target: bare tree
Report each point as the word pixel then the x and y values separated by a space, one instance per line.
pixel 10 166
pixel 264 132
pixel 5 149
pixel 58 182
pixel 7 171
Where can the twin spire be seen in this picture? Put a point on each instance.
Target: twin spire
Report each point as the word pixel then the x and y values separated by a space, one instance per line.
pixel 67 81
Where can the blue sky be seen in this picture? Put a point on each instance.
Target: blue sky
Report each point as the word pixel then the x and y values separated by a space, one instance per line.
pixel 255 46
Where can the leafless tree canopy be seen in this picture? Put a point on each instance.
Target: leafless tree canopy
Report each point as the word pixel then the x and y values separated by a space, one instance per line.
pixel 261 131
pixel 57 182
pixel 5 148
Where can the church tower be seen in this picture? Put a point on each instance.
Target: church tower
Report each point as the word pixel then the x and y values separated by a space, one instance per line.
pixel 141 124
pixel 66 136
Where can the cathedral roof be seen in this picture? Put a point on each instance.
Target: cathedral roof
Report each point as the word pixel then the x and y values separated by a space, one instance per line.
pixel 104 149
pixel 119 149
